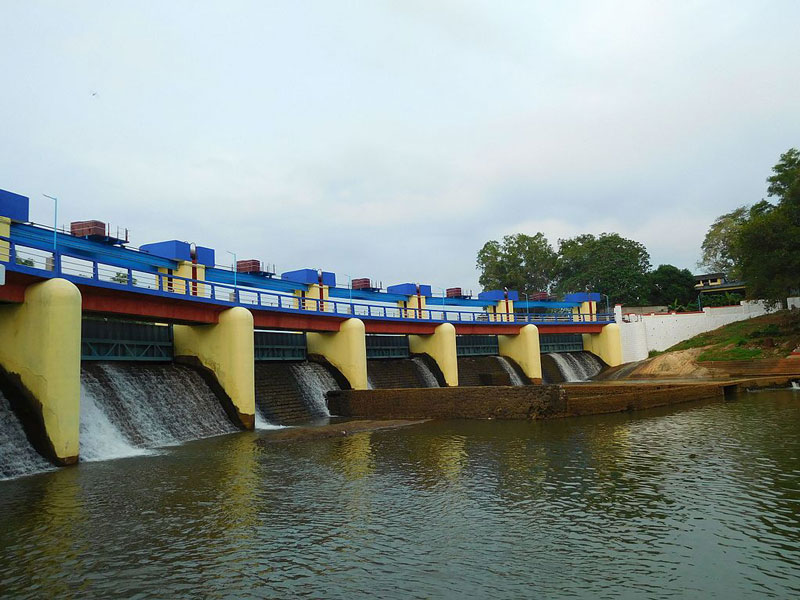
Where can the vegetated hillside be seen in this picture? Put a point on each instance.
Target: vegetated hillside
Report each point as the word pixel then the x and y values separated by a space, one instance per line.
pixel 770 336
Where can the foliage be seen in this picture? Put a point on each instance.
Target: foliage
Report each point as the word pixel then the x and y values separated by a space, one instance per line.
pixel 25 262
pixel 521 262
pixel 768 245
pixel 717 248
pixel 122 278
pixel 726 299
pixel 608 264
pixel 669 284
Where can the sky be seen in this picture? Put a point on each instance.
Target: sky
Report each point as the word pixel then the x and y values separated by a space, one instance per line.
pixel 391 139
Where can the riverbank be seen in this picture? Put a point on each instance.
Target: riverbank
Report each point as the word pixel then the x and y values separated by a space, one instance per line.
pixel 534 402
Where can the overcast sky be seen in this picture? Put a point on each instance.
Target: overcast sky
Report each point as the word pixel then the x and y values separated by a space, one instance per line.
pixel 391 139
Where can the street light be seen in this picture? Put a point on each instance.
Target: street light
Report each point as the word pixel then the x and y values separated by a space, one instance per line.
pixel 350 290
pixel 55 222
pixel 235 266
pixel 608 310
pixel 527 307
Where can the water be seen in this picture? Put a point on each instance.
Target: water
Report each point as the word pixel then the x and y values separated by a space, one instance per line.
pixel 512 372
pixel 695 501
pixel 427 375
pixel 100 439
pixel 17 456
pixel 314 381
pixel 138 406
pixel 577 366
pixel 796 385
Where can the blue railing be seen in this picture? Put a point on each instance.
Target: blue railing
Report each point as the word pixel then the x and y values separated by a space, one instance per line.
pixel 41 262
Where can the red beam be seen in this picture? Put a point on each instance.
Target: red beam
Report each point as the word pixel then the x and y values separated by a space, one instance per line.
pixel 582 328
pixel 487 329
pixel 263 319
pixel 142 306
pixel 374 326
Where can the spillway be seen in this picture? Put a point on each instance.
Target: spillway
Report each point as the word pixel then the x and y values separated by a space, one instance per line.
pixel 17 456
pixel 482 370
pixel 560 367
pixel 128 407
pixel 292 392
pixel 392 373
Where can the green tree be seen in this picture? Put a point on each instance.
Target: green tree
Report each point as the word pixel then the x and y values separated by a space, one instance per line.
pixel 608 264
pixel 670 285
pixel 768 245
pixel 521 262
pixel 718 244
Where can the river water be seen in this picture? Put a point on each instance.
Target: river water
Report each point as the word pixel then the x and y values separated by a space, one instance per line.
pixel 701 501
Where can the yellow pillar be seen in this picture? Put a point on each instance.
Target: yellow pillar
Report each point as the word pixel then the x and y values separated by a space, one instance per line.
pixel 178 286
pixel 226 349
pixel 345 349
pixel 523 349
pixel 315 292
pixel 441 347
pixel 408 308
pixel 607 344
pixel 501 312
pixel 40 342
pixel 5 231
pixel 587 309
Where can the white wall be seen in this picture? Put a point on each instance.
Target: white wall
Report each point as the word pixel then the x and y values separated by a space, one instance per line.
pixel 793 302
pixel 643 333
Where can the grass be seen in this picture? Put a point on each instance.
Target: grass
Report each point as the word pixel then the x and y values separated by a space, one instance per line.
pixel 769 336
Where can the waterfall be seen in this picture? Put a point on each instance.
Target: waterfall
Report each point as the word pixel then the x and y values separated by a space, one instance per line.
pixel 145 406
pixel 314 381
pixel 512 372
pixel 427 375
pixel 577 366
pixel 796 385
pixel 263 424
pixel 17 456
pixel 100 439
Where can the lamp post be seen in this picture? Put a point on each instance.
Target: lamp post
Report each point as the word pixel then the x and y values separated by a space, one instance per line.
pixel 608 310
pixel 235 266
pixel 527 307
pixel 55 232
pixel 55 222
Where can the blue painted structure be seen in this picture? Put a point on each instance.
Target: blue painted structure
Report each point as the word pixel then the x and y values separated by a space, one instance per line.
pixel 180 251
pixel 410 289
pixel 14 206
pixel 91 263
pixel 310 277
pixel 580 297
pixel 498 295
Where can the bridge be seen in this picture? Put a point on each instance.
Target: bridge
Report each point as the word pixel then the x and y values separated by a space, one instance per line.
pixel 53 280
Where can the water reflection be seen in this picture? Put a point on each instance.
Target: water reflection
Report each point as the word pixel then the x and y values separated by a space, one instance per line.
pixel 690 502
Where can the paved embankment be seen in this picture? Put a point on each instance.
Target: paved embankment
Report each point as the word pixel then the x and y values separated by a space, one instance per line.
pixel 530 402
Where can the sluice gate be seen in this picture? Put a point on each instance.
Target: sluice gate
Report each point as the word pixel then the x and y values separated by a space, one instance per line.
pixel 110 339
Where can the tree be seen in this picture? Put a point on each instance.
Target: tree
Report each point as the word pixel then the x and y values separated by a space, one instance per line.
pixel 767 247
pixel 521 262
pixel 670 285
pixel 608 264
pixel 718 244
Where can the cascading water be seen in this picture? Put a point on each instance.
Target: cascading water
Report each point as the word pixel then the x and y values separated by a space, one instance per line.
pixel 17 456
pixel 427 375
pixel 577 366
pixel 796 385
pixel 512 372
pixel 314 381
pixel 100 439
pixel 147 406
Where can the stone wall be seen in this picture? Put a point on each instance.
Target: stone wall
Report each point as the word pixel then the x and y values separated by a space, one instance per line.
pixel 524 403
pixel 518 402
